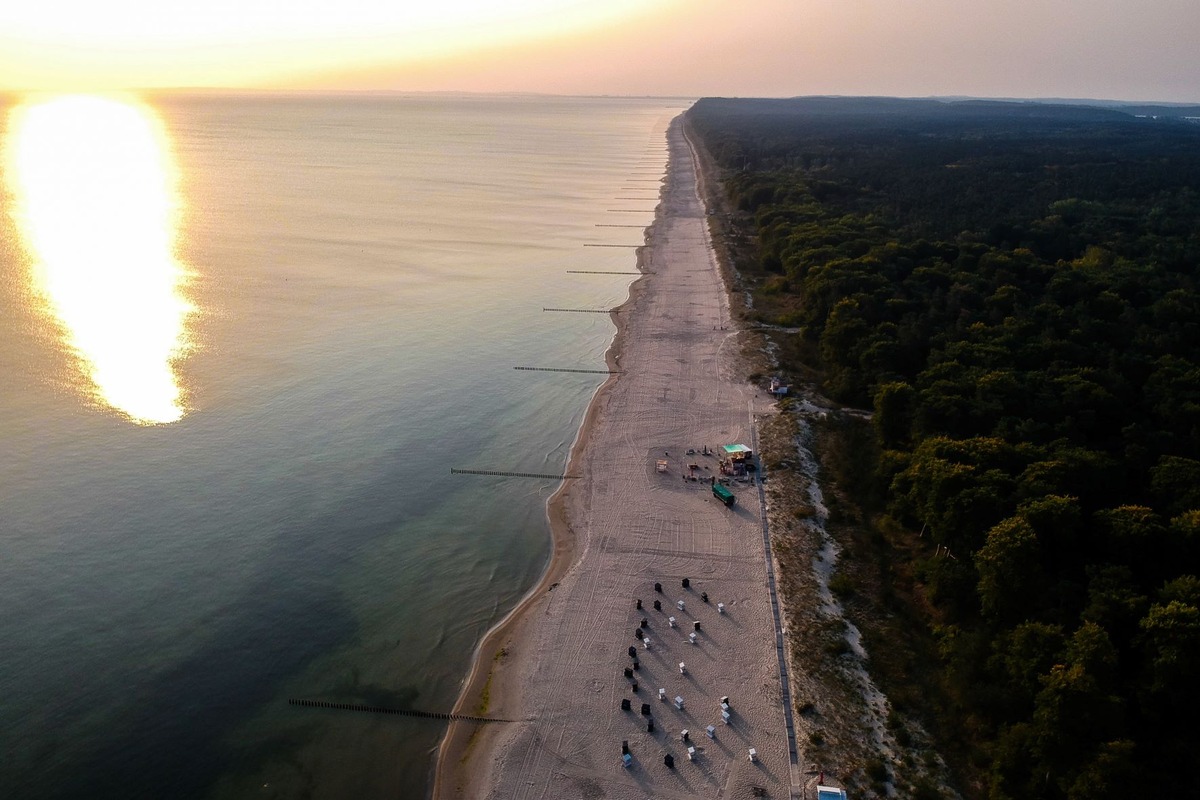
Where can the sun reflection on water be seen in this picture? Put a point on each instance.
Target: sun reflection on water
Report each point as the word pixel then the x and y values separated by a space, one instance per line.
pixel 96 202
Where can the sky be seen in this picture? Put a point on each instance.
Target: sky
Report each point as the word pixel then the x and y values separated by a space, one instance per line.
pixel 1105 49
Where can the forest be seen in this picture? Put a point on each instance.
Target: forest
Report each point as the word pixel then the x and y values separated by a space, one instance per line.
pixel 1014 290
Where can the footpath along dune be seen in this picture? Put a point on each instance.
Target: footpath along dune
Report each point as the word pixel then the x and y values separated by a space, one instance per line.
pixel 555 666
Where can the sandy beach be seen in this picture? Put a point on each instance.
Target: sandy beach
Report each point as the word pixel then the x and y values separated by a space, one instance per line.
pixel 555 666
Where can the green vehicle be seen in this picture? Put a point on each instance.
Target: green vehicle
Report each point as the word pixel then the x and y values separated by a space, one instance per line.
pixel 723 494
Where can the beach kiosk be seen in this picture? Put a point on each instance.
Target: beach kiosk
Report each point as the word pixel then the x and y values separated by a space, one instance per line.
pixel 737 458
pixel 723 494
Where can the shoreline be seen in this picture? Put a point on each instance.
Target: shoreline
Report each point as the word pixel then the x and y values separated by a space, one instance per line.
pixel 487 667
pixel 626 530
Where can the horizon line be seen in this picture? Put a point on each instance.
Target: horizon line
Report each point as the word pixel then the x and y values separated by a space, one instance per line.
pixel 244 90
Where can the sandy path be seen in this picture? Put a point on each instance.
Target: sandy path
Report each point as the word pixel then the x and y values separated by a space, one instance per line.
pixel 618 531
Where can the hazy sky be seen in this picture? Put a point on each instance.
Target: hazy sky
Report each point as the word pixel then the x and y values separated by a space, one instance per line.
pixel 1121 49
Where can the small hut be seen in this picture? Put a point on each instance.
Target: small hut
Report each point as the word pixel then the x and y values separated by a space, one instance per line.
pixel 736 458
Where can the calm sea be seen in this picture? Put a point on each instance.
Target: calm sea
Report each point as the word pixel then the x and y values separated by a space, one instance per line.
pixel 364 273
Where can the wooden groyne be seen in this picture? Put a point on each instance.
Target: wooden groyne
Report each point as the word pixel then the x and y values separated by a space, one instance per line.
pixel 538 475
pixel 563 369
pixel 403 712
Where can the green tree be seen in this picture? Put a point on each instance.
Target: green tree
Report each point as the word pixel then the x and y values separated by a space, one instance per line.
pixel 958 488
pixel 1114 602
pixel 1185 538
pixel 1021 657
pixel 1010 571
pixel 1058 523
pixel 1175 482
pixel 1134 535
pixel 1073 715
pixel 1171 639
pixel 1090 648
pixel 1112 774
pixel 1185 589
pixel 893 414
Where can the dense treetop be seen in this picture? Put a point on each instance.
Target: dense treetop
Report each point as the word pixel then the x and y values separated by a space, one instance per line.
pixel 1013 288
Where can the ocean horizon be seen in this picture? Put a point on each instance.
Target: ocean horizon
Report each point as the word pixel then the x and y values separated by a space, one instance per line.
pixel 359 274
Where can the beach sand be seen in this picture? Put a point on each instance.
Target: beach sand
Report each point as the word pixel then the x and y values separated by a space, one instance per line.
pixel 555 664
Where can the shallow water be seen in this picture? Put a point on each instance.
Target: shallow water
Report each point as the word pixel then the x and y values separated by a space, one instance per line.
pixel 365 272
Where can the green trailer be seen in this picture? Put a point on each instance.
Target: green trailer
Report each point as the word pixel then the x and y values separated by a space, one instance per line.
pixel 723 494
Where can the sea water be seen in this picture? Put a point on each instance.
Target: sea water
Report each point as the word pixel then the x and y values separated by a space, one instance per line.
pixel 363 273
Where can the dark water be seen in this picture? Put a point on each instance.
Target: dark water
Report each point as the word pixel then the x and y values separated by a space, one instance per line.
pixel 366 271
